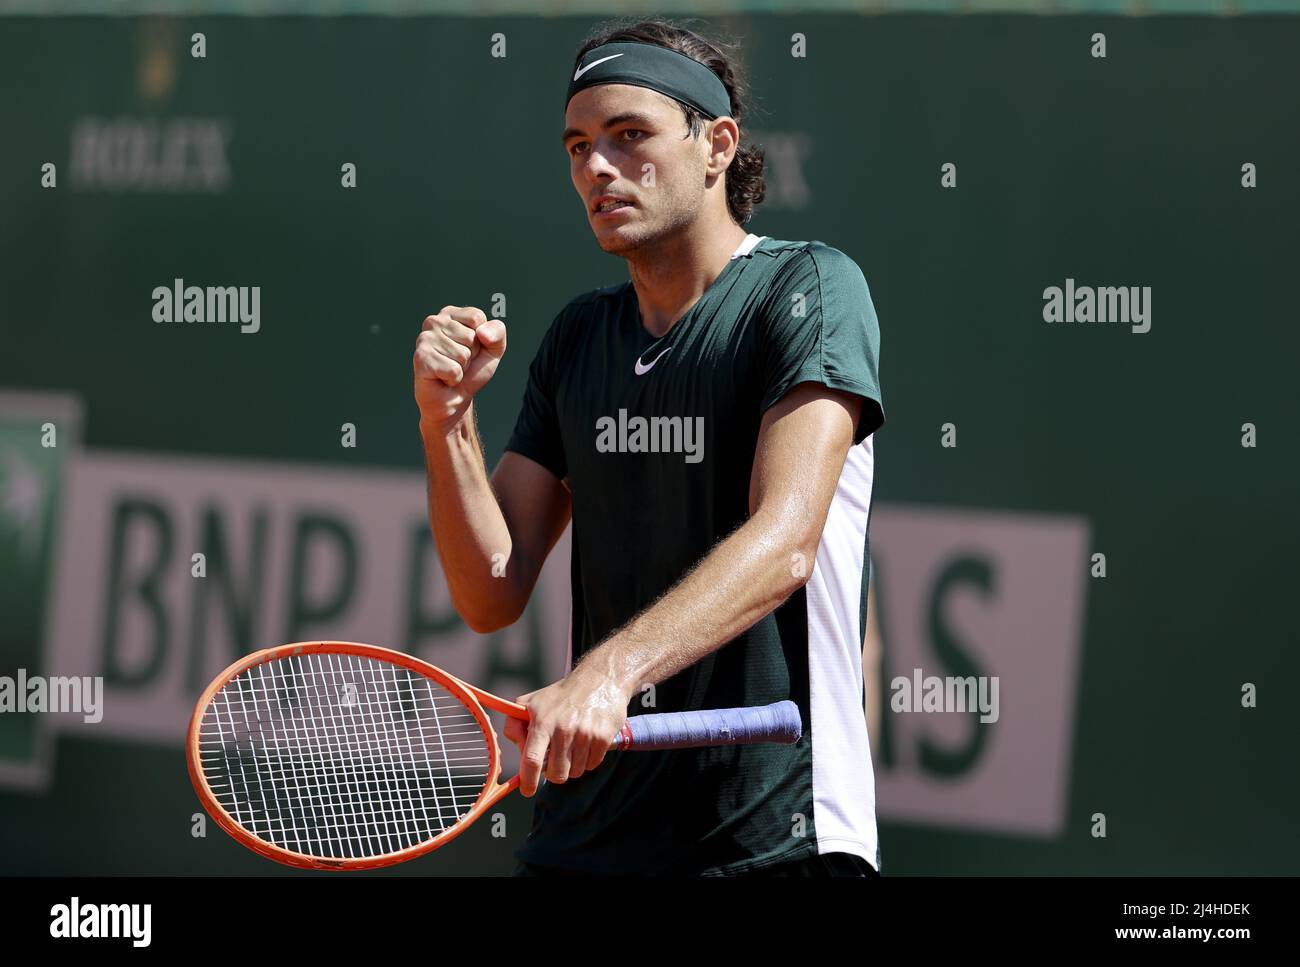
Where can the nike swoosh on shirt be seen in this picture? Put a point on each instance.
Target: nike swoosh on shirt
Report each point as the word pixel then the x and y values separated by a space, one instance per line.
pixel 583 70
pixel 642 370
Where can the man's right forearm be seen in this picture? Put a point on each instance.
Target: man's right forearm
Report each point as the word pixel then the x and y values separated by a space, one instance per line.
pixel 468 526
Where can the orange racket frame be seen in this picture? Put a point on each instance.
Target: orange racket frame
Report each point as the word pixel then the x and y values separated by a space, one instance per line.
pixel 474 699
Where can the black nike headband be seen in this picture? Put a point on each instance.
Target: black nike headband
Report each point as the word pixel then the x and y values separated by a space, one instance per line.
pixel 648 65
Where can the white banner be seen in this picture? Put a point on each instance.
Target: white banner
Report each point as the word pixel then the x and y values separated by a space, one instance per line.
pixel 295 552
pixel 309 553
pixel 971 593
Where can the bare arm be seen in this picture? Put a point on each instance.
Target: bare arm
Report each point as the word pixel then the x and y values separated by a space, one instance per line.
pixel 801 448
pixel 492 537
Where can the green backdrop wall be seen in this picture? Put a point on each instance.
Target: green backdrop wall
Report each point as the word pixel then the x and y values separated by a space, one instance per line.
pixel 1125 170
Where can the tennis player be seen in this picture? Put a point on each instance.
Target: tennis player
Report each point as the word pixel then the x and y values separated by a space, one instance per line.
pixel 707 427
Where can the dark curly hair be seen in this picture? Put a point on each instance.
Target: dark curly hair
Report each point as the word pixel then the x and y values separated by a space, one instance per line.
pixel 744 176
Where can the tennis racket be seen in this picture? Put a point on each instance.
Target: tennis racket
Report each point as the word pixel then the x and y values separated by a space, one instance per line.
pixel 336 755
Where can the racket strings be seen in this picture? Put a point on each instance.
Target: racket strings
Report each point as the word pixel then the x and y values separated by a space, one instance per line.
pixel 341 756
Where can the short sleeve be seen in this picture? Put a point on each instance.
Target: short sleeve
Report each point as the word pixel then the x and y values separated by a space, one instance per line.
pixel 537 430
pixel 819 325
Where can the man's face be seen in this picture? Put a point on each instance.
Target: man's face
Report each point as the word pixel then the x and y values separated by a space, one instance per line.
pixel 633 143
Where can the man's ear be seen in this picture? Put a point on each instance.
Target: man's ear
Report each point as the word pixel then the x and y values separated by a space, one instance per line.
pixel 723 133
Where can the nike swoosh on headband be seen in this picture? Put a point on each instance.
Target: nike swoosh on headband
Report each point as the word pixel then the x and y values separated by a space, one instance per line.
pixel 642 370
pixel 583 70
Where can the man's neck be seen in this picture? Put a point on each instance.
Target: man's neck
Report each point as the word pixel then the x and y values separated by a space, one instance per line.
pixel 670 279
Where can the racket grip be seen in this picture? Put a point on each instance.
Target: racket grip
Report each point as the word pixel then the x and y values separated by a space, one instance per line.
pixel 778 722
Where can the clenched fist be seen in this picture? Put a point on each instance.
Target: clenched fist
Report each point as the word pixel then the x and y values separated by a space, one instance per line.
pixel 456 354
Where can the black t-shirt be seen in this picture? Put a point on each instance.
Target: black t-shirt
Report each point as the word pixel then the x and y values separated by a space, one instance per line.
pixel 655 438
